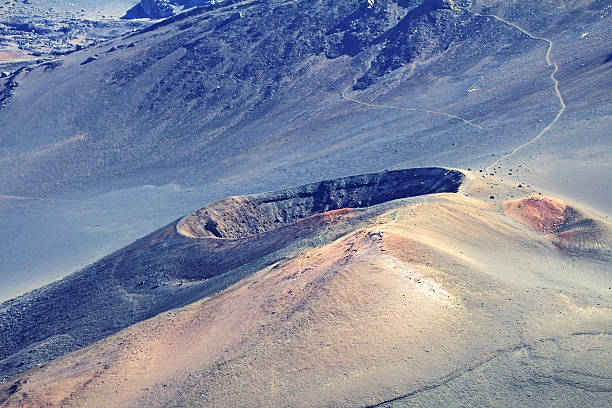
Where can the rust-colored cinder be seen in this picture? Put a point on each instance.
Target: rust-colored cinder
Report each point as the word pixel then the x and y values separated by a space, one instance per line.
pixel 567 228
pixel 542 214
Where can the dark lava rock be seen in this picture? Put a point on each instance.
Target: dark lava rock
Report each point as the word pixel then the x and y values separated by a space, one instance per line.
pixel 90 59
pixel 157 8
pixel 6 89
pixel 427 28
pixel 167 8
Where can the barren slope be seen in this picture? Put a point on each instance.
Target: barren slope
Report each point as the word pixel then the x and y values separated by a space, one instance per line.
pixel 194 258
pixel 263 94
pixel 443 301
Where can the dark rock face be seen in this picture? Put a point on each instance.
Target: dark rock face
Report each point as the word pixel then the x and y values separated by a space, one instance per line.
pixel 7 87
pixel 156 8
pixel 168 269
pixel 241 217
pixel 389 23
pixel 167 8
pixel 426 30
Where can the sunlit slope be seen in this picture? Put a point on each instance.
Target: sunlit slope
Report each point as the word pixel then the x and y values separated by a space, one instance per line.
pixel 443 301
pixel 197 257
pixel 261 95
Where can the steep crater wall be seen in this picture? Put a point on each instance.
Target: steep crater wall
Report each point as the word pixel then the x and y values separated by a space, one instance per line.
pixel 244 216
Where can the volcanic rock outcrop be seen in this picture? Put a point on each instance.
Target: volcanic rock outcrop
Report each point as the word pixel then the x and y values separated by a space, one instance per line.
pixel 167 269
pixel 167 8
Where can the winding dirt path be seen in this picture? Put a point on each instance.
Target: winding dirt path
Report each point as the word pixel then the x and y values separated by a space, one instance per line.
pixel 15 197
pixel 371 105
pixel 552 77
pixel 374 105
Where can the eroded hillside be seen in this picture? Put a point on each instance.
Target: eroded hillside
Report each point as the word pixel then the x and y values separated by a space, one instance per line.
pixel 437 301
pixel 255 96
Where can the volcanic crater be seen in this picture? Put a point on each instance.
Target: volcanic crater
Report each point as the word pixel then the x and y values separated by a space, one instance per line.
pixel 567 228
pixel 196 257
pixel 245 216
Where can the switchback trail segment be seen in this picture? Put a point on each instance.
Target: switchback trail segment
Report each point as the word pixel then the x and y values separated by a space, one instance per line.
pixel 450 115
pixel 552 77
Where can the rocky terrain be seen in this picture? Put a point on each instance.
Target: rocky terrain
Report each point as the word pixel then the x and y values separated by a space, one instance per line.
pixel 31 30
pixel 435 300
pixel 480 276
pixel 169 268
pixel 167 8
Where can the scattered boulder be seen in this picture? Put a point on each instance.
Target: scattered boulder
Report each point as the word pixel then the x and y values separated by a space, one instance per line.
pixel 90 59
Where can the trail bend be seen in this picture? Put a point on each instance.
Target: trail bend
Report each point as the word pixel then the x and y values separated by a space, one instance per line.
pixel 433 112
pixel 555 81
